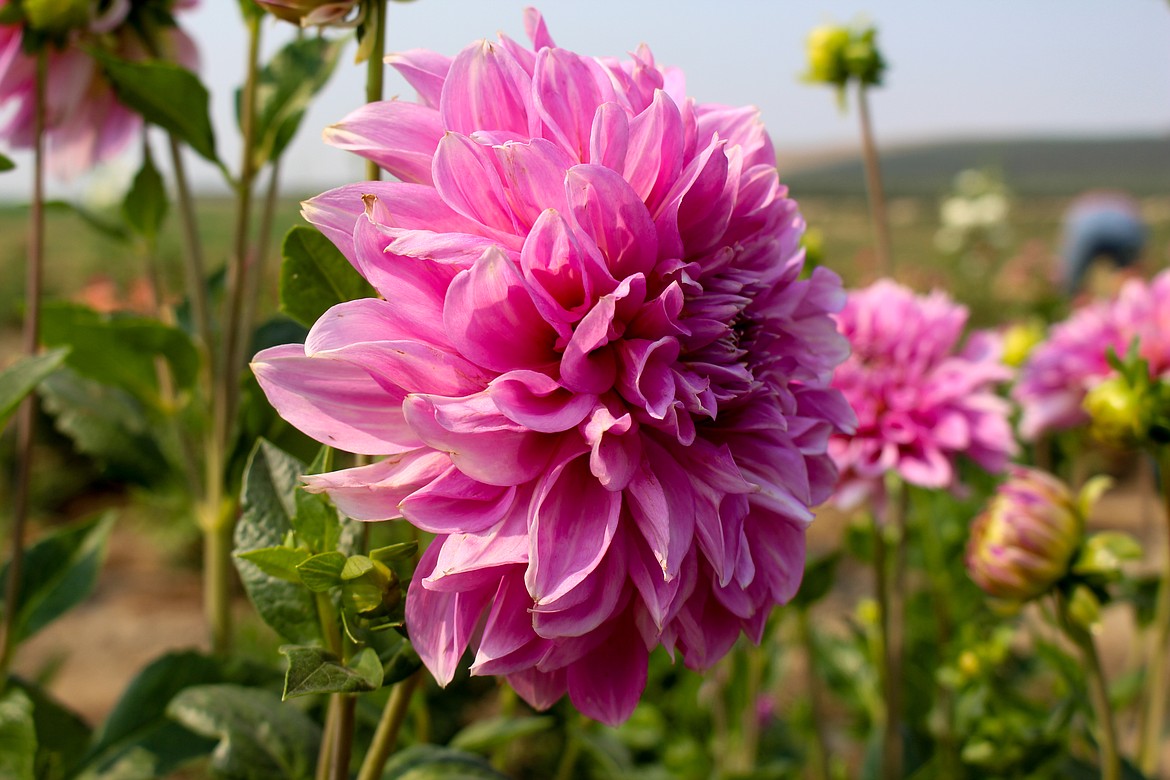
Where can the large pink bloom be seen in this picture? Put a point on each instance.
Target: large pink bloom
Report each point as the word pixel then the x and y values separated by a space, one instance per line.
pixel 920 401
pixel 84 122
pixel 1060 371
pixel 595 370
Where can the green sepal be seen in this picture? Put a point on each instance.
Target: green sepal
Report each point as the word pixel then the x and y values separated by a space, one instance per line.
pixel 1103 553
pixel 322 571
pixel 1083 608
pixel 280 562
pixel 315 670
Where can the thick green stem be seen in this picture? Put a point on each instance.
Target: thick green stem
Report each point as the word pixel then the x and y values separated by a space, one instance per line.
pixel 1098 693
pixel 217 576
pixel 935 555
pixel 34 275
pixel 819 750
pixel 873 186
pixel 386 735
pixel 891 608
pixel 1153 720
pixel 343 736
pixel 375 26
pixel 327 736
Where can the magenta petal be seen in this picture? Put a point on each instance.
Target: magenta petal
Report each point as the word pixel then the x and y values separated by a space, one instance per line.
pixel 558 269
pixel 441 624
pixel 566 93
pixel 486 89
pixel 491 318
pixel 426 71
pixel 615 447
pixel 586 366
pixel 466 178
pixel 573 521
pixel 778 546
pixel 536 29
pixel 508 643
pixel 533 176
pixel 373 492
pixel 334 401
pixel 474 561
pixel 537 401
pixel 606 684
pixel 400 137
pixel 646 378
pixel 662 503
pixel 654 158
pixel 610 137
pixel 589 604
pixel 455 503
pixel 540 689
pixel 608 210
pixel 483 444
pixel 659 593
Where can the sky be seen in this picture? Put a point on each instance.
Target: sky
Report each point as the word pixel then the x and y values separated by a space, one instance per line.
pixel 956 70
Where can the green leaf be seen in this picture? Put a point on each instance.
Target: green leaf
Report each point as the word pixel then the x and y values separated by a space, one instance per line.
pixel 399 658
pixel 112 230
pixel 59 572
pixel 279 562
pixel 19 379
pixel 430 762
pixel 268 506
pixel 62 735
pixel 18 736
pixel 316 520
pixel 284 88
pixel 818 580
pixel 484 736
pixel 165 94
pixel 138 732
pixel 395 552
pixel 315 670
pixel 1103 553
pixel 259 736
pixel 145 205
pixel 106 423
pixel 120 349
pixel 323 571
pixel 315 276
pixel 6 164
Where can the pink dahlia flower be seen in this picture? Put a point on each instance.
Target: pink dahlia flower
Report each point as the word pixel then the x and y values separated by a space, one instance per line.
pixel 1061 371
pixel 84 122
pixel 920 400
pixel 595 371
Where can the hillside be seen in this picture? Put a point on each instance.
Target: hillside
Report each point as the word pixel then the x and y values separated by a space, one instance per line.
pixel 1034 166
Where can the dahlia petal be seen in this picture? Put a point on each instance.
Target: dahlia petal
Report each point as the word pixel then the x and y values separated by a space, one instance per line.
pixel 466 178
pixel 742 127
pixel 573 521
pixel 533 177
pixel 559 272
pixel 486 89
pixel 508 644
pixel 333 401
pixel 475 561
pixel 451 503
pixel 565 95
pixel 662 503
pixel 457 249
pixel 586 366
pixel 492 320
pixel 399 137
pixel 654 157
pixel 540 689
pixel 615 448
pixel 373 492
pixel 483 444
pixel 424 70
pixel 606 684
pixel 609 137
pixel 705 210
pixel 536 29
pixel 646 379
pixel 658 591
pixel 589 604
pixel 539 402
pixel 441 624
pixel 605 208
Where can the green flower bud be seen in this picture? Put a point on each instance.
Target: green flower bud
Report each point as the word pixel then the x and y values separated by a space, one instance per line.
pixel 1119 412
pixel 369 587
pixel 825 48
pixel 56 17
pixel 1023 542
pixel 1020 339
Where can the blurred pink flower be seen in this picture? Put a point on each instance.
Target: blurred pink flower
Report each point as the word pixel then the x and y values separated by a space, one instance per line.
pixel 597 374
pixel 84 122
pixel 920 401
pixel 1074 359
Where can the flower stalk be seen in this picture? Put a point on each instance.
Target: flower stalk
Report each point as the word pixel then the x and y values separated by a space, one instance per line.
pixel 1098 690
pixel 386 734
pixel 1153 718
pixel 34 275
pixel 375 26
pixel 873 186
pixel 890 530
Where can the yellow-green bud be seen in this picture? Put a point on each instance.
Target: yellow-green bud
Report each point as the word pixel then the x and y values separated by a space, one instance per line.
pixel 1119 413
pixel 1020 339
pixel 1024 540
pixel 825 47
pixel 56 17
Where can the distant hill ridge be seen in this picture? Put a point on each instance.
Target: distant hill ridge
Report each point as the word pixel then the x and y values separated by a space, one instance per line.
pixel 1029 166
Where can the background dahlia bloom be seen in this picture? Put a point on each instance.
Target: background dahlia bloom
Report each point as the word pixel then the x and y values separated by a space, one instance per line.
pixel 594 370
pixel 84 122
pixel 1061 371
pixel 920 400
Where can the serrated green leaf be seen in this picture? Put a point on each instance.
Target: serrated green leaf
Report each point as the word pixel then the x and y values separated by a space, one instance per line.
pixel 268 506
pixel 484 736
pixel 284 88
pixel 279 562
pixel 259 736
pixel 107 424
pixel 430 762
pixel 59 572
pixel 137 732
pixel 19 379
pixel 120 349
pixel 323 571
pixel 315 670
pixel 18 736
pixel 315 276
pixel 145 205
pixel 165 94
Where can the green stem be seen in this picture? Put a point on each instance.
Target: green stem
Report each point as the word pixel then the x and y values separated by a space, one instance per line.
pixel 819 750
pixel 34 275
pixel 194 267
pixel 343 736
pixel 386 735
pixel 934 553
pixel 1098 693
pixel 873 186
pixel 327 735
pixel 217 570
pixel 1149 752
pixel 572 750
pixel 259 261
pixel 749 740
pixel 891 609
pixel 376 26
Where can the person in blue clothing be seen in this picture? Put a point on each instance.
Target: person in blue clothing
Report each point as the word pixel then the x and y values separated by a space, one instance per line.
pixel 1100 226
